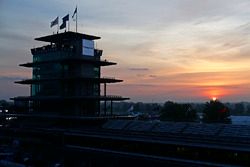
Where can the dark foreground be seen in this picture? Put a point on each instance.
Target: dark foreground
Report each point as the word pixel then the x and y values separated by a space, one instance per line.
pixel 105 141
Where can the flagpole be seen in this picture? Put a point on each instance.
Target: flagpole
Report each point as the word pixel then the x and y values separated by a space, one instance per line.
pixel 68 25
pixel 76 18
pixel 58 25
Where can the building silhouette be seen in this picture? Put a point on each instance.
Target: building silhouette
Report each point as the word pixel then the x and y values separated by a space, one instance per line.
pixel 67 78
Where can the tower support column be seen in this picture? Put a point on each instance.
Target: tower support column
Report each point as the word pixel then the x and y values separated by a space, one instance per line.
pixel 111 107
pixel 105 101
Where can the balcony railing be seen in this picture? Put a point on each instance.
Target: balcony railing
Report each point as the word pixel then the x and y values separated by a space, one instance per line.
pixel 66 59
pixel 91 97
pixel 39 79
pixel 53 48
pixel 64 48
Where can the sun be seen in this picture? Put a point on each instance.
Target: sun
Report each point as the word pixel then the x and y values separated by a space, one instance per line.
pixel 214 98
pixel 215 93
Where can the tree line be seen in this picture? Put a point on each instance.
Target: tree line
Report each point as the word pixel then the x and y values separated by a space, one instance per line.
pixel 213 112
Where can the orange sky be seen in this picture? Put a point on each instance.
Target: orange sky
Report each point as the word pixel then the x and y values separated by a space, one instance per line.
pixel 213 61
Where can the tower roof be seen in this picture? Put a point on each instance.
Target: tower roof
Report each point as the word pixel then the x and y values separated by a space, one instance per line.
pixel 66 36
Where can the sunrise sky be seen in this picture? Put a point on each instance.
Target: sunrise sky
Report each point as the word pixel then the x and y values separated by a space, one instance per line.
pixel 181 50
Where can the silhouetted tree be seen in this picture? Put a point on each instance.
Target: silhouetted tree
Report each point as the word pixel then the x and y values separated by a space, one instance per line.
pixel 4 103
pixel 239 109
pixel 248 110
pixel 215 111
pixel 177 112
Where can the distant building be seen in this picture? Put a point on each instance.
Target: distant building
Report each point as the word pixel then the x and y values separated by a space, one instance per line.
pixel 67 77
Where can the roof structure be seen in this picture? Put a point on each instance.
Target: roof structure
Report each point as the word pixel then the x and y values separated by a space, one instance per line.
pixel 61 37
pixel 214 131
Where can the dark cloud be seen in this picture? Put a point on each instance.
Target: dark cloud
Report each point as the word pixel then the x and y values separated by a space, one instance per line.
pixel 139 69
pixel 152 76
pixel 138 85
pixel 140 75
pixel 146 76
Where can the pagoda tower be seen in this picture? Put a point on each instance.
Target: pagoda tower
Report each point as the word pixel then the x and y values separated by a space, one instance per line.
pixel 66 77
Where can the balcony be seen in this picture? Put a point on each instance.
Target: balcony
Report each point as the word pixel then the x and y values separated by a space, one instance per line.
pixel 48 98
pixel 68 79
pixel 53 48
pixel 64 48
pixel 65 60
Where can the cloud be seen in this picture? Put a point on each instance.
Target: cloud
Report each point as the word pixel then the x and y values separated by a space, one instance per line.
pixel 14 36
pixel 138 69
pixel 216 78
pixel 152 76
pixel 224 45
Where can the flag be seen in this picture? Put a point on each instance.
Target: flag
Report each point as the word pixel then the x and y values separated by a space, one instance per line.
pixel 74 12
pixel 54 22
pixel 63 25
pixel 64 19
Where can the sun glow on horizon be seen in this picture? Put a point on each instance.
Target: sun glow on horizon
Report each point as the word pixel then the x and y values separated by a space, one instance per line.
pixel 214 98
pixel 214 93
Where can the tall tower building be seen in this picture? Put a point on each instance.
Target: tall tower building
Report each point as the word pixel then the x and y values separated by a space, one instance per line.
pixel 67 78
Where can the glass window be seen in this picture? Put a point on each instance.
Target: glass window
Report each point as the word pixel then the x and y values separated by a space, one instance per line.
pixel 87 47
